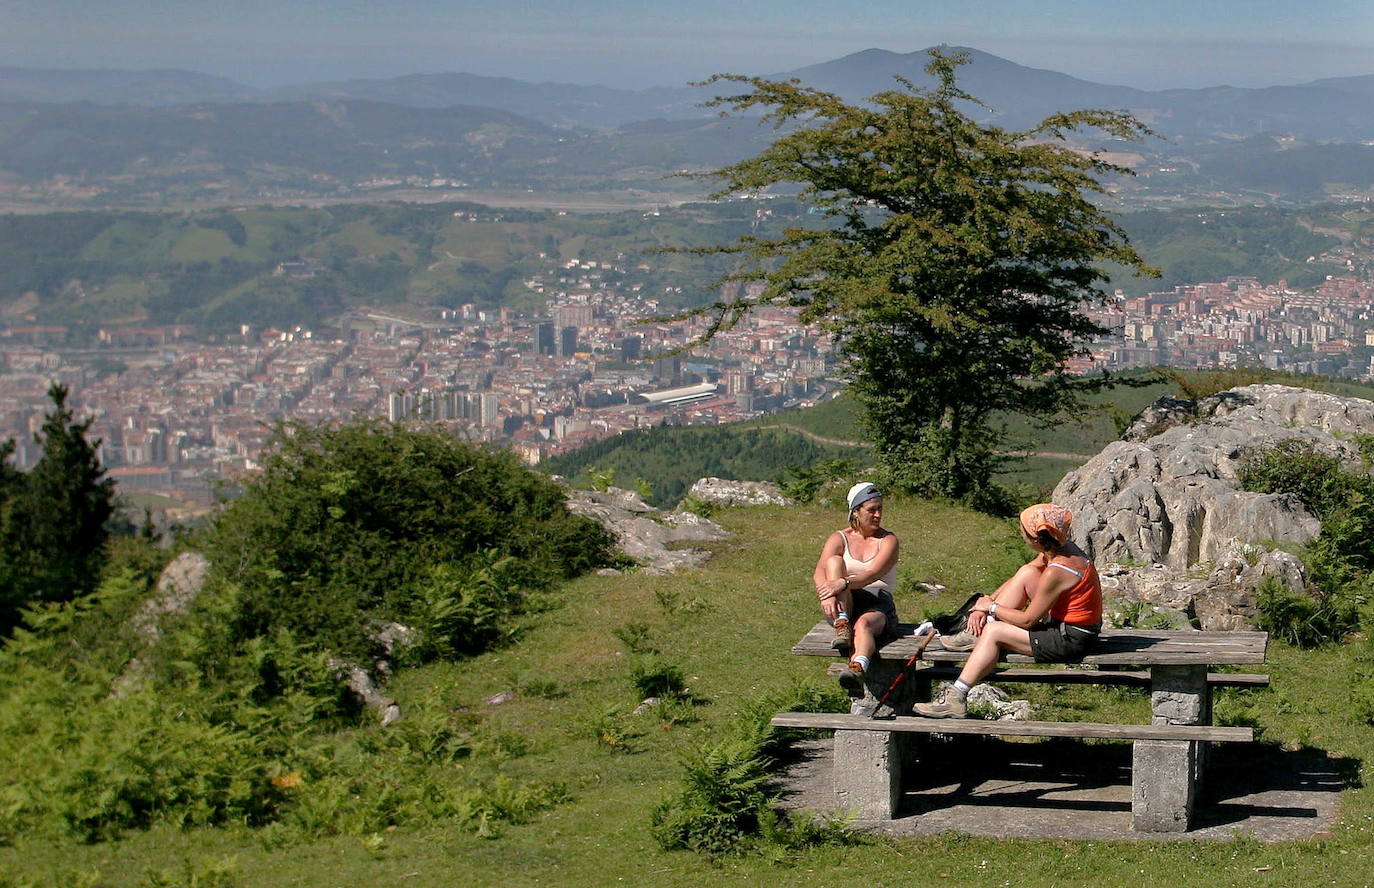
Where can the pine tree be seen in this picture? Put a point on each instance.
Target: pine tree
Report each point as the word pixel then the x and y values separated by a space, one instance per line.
pixel 54 517
pixel 953 271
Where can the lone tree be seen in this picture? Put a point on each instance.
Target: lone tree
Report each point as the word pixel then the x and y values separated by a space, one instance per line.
pixel 54 517
pixel 954 270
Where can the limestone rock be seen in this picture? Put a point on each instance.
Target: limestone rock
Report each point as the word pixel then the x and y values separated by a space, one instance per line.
pixel 177 586
pixel 1166 496
pixel 1167 492
pixel 647 704
pixel 362 685
pixel 985 696
pixel 1220 599
pixel 724 492
pixel 645 533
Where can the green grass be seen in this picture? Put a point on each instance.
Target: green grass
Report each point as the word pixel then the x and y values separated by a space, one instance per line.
pixel 836 419
pixel 728 626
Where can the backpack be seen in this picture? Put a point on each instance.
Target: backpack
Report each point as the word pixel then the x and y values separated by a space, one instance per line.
pixel 952 624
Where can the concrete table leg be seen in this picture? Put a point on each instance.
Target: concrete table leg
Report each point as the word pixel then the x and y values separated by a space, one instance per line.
pixel 868 773
pixel 1165 773
pixel 1162 785
pixel 868 764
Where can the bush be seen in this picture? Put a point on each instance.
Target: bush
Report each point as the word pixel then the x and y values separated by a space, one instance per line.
pixel 1301 619
pixel 724 804
pixel 366 522
pixel 805 483
pixel 1339 560
pixel 658 678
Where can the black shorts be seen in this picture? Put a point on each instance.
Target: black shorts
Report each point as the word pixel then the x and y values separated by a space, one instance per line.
pixel 1058 642
pixel 865 601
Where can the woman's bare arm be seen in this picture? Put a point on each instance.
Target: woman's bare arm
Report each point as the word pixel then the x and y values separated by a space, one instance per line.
pixel 1051 585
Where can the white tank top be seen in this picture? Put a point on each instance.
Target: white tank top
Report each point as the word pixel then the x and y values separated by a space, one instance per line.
pixel 886 583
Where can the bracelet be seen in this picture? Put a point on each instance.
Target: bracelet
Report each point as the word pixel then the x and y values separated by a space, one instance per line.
pixel 992 609
pixel 846 582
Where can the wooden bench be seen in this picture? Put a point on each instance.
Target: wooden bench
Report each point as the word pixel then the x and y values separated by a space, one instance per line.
pixel 914 724
pixel 1168 755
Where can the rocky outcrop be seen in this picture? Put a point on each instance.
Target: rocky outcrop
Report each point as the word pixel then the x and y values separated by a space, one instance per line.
pixel 1220 599
pixel 177 586
pixel 360 682
pixel 1167 492
pixel 646 534
pixel 1178 542
pixel 724 492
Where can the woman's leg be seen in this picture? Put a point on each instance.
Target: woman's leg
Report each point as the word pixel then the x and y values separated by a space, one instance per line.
pixel 1016 592
pixel 867 630
pixel 996 638
pixel 952 701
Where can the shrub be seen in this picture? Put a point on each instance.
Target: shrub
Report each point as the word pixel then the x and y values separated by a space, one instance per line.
pixel 369 521
pixel 1339 560
pixel 698 506
pixel 1302 619
pixel 805 483
pixel 721 800
pixel 658 678
pixel 1199 385
pixel 635 636
pixel 724 804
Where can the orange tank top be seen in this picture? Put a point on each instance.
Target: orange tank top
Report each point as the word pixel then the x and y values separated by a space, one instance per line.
pixel 1081 604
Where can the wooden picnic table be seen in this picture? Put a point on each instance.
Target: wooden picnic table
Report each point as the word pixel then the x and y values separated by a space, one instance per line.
pixel 1168 757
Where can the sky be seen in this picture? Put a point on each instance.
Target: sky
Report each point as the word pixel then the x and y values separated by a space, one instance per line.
pixel 1151 44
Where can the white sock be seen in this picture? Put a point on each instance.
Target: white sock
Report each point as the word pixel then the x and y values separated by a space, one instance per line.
pixel 841 617
pixel 960 689
pixel 861 660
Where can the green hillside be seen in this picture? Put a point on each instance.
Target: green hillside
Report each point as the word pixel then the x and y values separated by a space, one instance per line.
pixel 672 458
pixel 219 268
pixel 572 674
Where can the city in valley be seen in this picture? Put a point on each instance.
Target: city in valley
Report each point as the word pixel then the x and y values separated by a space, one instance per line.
pixel 178 414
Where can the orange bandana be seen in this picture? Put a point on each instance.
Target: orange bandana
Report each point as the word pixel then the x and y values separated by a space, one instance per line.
pixel 1047 517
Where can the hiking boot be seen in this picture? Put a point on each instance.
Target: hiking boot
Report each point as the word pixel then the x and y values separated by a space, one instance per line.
pixel 844 637
pixel 852 679
pixel 947 704
pixel 963 640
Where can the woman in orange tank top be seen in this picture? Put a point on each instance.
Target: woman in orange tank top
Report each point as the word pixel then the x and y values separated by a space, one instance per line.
pixel 1050 609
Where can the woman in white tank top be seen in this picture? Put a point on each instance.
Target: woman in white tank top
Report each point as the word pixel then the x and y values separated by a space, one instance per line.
pixel 855 578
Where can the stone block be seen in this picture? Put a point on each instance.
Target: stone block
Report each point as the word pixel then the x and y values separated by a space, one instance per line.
pixel 1180 695
pixel 868 772
pixel 1163 785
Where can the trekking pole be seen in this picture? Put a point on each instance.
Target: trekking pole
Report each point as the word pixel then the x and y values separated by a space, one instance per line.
pixel 901 674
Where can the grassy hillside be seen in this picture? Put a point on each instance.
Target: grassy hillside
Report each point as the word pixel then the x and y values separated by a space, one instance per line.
pixel 215 268
pixel 670 458
pixel 728 626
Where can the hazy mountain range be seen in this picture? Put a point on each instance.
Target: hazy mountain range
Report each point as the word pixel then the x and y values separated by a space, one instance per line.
pixel 135 130
pixel 1331 108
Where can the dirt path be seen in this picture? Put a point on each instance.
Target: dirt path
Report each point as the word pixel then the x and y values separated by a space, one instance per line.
pixel 841 442
pixel 820 439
